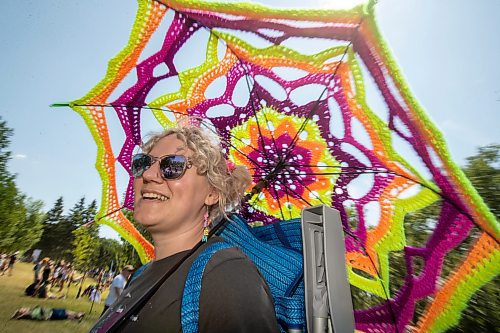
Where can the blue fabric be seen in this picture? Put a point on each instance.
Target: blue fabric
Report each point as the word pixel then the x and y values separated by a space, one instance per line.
pixel 275 249
pixel 138 272
pixel 291 230
pixel 58 314
pixel 280 263
pixel 190 306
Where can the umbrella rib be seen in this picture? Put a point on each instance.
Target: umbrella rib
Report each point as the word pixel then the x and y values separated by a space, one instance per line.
pixel 316 104
pixel 288 198
pixel 147 107
pixel 231 145
pixel 183 114
pixel 333 166
pixel 285 188
pixel 278 167
pixel 271 132
pixel 278 201
pixel 261 137
pixel 307 188
pixel 294 192
pixel 247 75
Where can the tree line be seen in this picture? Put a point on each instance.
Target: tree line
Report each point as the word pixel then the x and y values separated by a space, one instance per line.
pixel 25 226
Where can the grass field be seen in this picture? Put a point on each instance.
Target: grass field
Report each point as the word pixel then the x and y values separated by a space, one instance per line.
pixel 12 297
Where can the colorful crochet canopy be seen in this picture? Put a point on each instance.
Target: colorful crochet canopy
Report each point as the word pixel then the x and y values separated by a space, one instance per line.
pixel 285 91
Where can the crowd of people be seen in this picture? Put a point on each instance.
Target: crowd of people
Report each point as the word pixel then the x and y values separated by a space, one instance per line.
pixel 49 276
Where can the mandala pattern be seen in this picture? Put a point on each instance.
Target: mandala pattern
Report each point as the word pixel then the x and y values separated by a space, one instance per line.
pixel 304 125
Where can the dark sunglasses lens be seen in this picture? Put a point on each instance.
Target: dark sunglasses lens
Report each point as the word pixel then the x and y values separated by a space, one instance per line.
pixel 172 167
pixel 140 163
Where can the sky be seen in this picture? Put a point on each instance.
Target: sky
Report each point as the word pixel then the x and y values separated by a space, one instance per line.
pixel 57 50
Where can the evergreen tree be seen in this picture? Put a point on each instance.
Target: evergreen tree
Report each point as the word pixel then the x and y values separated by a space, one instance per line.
pixel 12 209
pixel 84 248
pixel 83 251
pixel 5 134
pixel 29 229
pixel 50 242
pixel 89 218
pixel 483 170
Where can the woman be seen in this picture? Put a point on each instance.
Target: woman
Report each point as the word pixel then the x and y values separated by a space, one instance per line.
pixel 182 185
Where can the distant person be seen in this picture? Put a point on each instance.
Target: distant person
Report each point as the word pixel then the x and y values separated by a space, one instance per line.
pixel 47 271
pixel 12 261
pixel 3 262
pixel 66 276
pixel 117 286
pixel 39 268
pixel 95 295
pixel 42 313
pixel 57 275
pixel 88 290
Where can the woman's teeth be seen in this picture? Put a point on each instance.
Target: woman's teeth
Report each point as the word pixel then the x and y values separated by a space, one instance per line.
pixel 154 196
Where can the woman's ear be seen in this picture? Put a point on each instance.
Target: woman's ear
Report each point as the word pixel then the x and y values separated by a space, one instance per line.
pixel 212 197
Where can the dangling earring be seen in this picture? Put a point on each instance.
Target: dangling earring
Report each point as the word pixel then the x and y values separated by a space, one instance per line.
pixel 206 223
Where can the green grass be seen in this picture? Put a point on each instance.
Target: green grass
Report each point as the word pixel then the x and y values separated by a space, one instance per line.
pixel 12 297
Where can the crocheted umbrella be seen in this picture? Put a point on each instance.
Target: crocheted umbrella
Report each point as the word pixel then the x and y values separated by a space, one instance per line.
pixel 299 118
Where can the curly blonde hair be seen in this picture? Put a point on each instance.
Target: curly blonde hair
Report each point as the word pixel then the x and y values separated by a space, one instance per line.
pixel 210 161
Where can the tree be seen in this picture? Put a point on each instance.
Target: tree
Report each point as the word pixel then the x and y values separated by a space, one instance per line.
pixel 5 134
pixel 113 254
pixel 483 170
pixel 52 237
pixel 85 248
pixel 84 251
pixel 12 210
pixel 29 230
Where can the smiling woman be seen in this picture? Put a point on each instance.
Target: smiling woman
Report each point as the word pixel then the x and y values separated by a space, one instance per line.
pixel 183 183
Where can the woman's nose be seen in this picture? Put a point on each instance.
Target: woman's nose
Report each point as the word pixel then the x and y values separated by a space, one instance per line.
pixel 153 174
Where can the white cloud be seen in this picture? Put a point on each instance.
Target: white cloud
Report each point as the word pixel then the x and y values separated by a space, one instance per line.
pixel 20 156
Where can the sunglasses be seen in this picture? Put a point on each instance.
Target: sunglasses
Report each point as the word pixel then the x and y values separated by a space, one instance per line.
pixel 171 166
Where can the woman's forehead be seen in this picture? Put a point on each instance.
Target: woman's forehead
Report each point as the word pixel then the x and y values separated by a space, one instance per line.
pixel 170 144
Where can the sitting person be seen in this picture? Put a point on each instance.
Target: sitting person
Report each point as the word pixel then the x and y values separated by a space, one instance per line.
pixel 32 289
pixel 41 313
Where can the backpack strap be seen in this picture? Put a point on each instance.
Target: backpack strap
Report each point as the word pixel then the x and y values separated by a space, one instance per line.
pixel 190 306
pixel 138 273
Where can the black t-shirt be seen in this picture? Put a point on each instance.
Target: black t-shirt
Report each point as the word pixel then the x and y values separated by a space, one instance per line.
pixel 234 296
pixel 46 273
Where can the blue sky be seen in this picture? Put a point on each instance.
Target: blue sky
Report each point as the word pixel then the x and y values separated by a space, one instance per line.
pixel 57 50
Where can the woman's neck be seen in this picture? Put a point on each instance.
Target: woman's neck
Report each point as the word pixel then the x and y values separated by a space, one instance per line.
pixel 167 244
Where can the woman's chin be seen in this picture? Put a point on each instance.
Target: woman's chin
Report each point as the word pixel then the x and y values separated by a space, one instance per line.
pixel 146 221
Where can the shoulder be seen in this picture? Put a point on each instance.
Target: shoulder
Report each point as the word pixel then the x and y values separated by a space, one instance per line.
pixel 232 270
pixel 234 292
pixel 118 280
pixel 230 261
